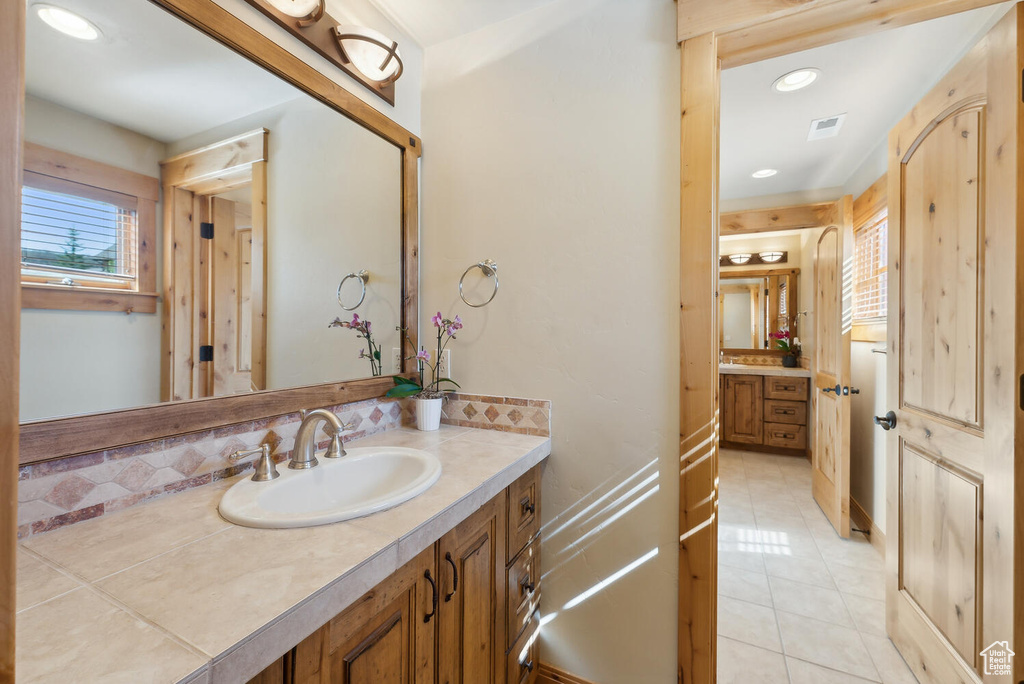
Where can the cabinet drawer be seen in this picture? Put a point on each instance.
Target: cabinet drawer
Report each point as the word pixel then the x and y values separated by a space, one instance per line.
pixel 522 659
pixel 523 511
pixel 786 436
pixel 523 590
pixel 792 412
pixel 782 387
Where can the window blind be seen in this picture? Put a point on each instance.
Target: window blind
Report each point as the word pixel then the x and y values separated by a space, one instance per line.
pixel 870 263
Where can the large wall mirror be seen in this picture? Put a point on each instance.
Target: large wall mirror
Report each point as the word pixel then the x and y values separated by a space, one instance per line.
pixel 193 225
pixel 754 304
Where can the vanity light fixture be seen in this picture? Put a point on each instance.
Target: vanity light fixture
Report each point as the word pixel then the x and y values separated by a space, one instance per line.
pixel 67 22
pixel 796 80
pixel 770 257
pixel 764 173
pixel 370 52
pixel 306 11
pixel 740 259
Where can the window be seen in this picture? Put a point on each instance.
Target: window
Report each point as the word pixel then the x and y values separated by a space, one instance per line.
pixel 870 261
pixel 86 234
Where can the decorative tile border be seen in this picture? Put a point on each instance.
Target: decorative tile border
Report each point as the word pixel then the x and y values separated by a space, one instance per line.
pixel 508 414
pixel 56 493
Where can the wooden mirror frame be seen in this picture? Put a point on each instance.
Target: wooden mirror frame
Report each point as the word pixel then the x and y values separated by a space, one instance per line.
pixel 56 438
pixel 791 306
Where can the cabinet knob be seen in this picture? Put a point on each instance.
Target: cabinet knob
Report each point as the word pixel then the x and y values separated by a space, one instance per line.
pixel 527 505
pixel 525 585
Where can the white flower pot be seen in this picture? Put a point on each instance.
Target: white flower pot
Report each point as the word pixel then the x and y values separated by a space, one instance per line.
pixel 428 414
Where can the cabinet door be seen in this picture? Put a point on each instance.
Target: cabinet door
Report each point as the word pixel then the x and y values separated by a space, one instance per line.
pixel 386 637
pixel 273 674
pixel 743 421
pixel 471 632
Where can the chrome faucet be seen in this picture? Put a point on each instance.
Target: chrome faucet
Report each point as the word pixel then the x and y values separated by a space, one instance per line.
pixel 304 451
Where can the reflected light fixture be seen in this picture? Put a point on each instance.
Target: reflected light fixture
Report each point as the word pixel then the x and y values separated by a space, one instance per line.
pixel 764 173
pixel 770 257
pixel 370 52
pixel 740 259
pixel 67 22
pixel 795 80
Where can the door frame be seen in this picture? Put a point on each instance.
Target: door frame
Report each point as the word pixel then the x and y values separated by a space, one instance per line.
pixel 731 33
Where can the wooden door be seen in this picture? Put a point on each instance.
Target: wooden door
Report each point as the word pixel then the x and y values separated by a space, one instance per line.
pixel 471 631
pixel 743 409
pixel 830 459
pixel 952 385
pixel 386 637
pixel 230 276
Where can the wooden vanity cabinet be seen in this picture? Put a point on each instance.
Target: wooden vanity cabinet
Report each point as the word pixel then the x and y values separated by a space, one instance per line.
pixel 478 630
pixel 765 413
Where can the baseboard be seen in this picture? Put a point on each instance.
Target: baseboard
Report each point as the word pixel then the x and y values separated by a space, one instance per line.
pixel 547 674
pixel 862 520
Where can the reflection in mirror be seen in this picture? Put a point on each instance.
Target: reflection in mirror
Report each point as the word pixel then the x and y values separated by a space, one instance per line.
pixel 188 219
pixel 754 305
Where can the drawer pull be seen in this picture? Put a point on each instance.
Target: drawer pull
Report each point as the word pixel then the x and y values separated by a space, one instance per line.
pixel 525 585
pixel 433 587
pixel 528 665
pixel 786 388
pixel 784 435
pixel 785 412
pixel 527 506
pixel 455 575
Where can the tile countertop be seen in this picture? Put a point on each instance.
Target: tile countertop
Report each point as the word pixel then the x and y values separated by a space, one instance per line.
pixel 743 369
pixel 168 591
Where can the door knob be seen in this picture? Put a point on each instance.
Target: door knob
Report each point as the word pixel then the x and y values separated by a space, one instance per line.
pixel 850 390
pixel 888 421
pixel 837 389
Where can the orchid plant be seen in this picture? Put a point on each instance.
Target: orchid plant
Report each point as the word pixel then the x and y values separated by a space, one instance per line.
pixel 785 342
pixel 362 327
pixel 404 387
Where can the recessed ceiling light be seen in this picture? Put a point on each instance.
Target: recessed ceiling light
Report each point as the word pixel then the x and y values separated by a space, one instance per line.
pixel 764 173
pixel 795 80
pixel 67 22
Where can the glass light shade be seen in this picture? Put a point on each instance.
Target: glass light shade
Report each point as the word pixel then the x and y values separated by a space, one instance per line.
pixel 764 173
pixel 67 22
pixel 796 80
pixel 740 259
pixel 300 9
pixel 770 257
pixel 370 52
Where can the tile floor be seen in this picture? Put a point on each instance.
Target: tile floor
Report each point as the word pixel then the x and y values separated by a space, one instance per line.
pixel 797 604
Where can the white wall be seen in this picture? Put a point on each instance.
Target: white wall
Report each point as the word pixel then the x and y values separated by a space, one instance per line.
pixel 552 146
pixel 114 361
pixel 334 206
pixel 867 443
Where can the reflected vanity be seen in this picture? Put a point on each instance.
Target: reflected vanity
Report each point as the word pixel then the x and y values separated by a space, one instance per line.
pixel 191 226
pixel 754 304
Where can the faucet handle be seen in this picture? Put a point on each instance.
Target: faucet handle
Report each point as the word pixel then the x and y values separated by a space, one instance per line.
pixel 266 469
pixel 337 447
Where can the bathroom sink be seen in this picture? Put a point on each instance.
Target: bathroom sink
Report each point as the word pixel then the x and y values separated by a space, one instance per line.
pixel 368 480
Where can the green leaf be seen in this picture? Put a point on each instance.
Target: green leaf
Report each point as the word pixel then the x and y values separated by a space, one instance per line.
pixel 376 355
pixel 404 391
pixel 399 380
pixel 449 380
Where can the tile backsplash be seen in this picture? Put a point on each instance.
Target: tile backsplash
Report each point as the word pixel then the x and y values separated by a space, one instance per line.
pixel 57 493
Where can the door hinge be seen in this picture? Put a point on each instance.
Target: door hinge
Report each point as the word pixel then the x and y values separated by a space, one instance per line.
pixel 766 292
pixel 205 353
pixel 206 230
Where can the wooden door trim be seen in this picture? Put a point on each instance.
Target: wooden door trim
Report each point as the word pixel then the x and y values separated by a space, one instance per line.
pixel 793 217
pixel 710 38
pixel 63 437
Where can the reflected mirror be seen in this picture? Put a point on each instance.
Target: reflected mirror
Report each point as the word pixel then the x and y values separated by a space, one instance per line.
pixel 754 304
pixel 192 225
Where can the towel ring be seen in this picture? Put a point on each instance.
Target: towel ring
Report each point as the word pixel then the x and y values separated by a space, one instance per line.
pixel 364 277
pixel 490 269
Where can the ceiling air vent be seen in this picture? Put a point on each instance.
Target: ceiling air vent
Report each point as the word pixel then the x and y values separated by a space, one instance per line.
pixel 826 128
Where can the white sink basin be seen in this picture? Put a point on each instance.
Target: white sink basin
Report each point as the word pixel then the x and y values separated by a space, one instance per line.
pixel 368 480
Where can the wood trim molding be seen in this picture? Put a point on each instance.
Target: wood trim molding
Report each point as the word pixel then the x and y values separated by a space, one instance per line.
pixel 871 202
pixel 57 164
pixel 863 521
pixel 549 674
pixel 46 440
pixel 754 31
pixel 793 217
pixel 85 299
pixel 751 273
pixel 12 89
pixel 870 332
pixel 219 163
pixel 58 438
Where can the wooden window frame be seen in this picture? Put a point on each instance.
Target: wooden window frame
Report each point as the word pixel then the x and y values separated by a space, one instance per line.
pixel 868 210
pixel 59 170
pixel 713 36
pixel 58 438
